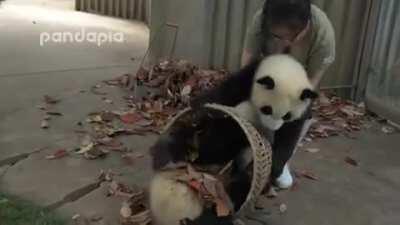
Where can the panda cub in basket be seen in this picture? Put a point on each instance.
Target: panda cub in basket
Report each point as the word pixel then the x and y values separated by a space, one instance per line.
pixel 268 93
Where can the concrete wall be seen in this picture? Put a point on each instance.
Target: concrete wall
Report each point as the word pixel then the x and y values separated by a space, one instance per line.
pixel 127 9
pixel 211 33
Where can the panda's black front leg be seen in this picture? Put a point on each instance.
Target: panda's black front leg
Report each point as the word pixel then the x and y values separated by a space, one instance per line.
pixel 285 143
pixel 231 92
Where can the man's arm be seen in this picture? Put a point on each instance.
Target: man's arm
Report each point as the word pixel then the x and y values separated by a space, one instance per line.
pixel 316 78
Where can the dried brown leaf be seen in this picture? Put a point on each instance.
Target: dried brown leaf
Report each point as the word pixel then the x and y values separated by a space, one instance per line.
pixel 130 158
pixel 131 118
pixel 54 113
pixel 351 161
pixel 306 174
pixel 44 124
pixel 95 153
pixel 58 154
pixel 47 117
pixel 50 100
pixel 313 150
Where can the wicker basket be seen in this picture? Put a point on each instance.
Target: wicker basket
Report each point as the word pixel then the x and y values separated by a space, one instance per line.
pixel 261 151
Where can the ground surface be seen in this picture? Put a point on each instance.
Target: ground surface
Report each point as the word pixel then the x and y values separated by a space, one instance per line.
pixel 366 194
pixel 14 211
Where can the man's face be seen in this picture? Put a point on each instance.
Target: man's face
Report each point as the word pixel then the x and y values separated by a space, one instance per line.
pixel 288 36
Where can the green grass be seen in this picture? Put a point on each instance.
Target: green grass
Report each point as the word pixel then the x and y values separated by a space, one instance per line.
pixel 14 211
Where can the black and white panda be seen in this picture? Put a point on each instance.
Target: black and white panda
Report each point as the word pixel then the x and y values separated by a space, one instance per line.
pixel 269 93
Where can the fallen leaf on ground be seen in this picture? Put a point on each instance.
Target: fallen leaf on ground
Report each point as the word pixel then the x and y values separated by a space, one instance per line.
pixel 58 154
pixel 351 111
pixel 131 118
pixel 306 174
pixel 134 212
pixel 186 90
pixel 388 130
pixel 351 161
pixel 44 124
pixel 116 188
pixel 41 107
pixel 76 216
pixel 282 208
pixel 96 218
pixel 95 153
pixel 47 117
pixel 126 210
pixel 121 81
pixel 94 118
pixel 108 101
pixel 50 100
pixel 313 150
pixel 54 113
pixel 86 148
pixel 95 90
pixel 130 158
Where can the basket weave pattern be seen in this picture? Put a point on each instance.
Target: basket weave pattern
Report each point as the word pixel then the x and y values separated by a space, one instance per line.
pixel 261 152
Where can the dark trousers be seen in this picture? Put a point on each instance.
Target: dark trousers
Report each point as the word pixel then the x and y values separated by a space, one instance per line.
pixel 285 142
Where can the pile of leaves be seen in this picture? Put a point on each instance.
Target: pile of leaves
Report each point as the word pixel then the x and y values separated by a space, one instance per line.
pixel 334 115
pixel 168 88
pixel 210 189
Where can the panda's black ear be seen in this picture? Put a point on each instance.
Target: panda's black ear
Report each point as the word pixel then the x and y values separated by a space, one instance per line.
pixel 308 94
pixel 267 81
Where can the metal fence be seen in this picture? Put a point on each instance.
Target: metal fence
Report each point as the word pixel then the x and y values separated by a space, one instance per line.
pixel 128 9
pixel 211 33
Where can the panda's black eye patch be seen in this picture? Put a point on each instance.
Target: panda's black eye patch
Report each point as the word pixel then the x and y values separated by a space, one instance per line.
pixel 308 94
pixel 287 116
pixel 267 81
pixel 267 110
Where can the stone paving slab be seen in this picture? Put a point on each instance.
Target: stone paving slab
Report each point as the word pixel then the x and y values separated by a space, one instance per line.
pixel 21 119
pixel 344 194
pixel 95 204
pixel 49 181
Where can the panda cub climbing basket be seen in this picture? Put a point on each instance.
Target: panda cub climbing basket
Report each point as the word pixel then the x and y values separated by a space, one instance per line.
pixel 260 147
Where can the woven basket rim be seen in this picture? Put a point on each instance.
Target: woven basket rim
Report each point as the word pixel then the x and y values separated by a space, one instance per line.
pixel 261 151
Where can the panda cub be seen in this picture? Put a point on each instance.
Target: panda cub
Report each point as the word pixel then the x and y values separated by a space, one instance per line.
pixel 271 92
pixel 268 93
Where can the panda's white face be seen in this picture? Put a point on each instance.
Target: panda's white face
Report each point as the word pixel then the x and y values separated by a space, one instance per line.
pixel 281 92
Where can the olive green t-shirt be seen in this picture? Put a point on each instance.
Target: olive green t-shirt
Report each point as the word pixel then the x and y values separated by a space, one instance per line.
pixel 316 51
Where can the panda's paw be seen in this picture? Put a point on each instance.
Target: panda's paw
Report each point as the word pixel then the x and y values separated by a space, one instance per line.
pixel 285 180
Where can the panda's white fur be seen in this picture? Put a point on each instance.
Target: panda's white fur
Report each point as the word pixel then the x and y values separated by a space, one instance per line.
pixel 290 80
pixel 171 200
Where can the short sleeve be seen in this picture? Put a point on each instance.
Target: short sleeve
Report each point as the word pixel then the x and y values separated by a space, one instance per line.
pixel 253 39
pixel 323 52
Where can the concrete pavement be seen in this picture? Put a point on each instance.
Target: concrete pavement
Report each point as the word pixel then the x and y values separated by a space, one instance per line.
pixel 366 194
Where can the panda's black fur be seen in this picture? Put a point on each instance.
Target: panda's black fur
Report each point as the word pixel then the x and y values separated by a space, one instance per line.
pixel 221 139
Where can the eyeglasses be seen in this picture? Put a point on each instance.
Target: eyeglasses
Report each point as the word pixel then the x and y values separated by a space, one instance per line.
pixel 297 37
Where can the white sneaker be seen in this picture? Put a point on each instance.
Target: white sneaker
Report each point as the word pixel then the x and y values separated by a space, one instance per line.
pixel 285 180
